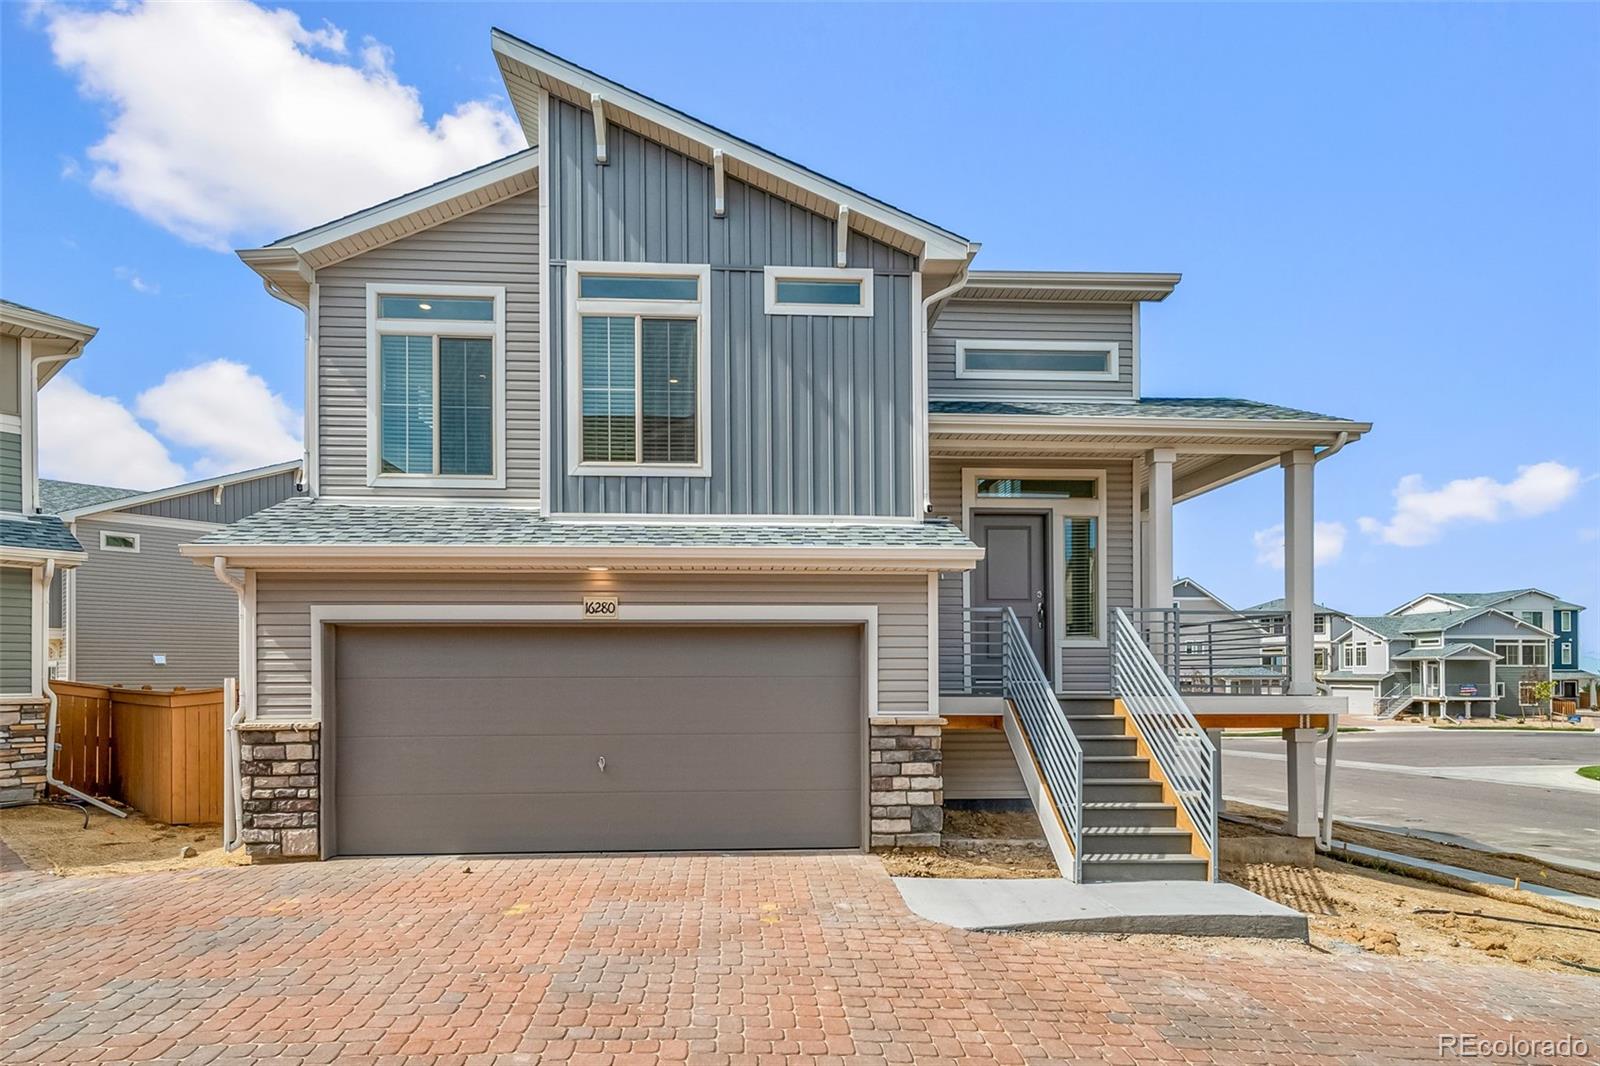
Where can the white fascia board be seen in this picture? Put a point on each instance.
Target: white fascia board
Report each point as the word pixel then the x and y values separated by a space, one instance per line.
pixel 39 556
pixel 124 502
pixel 1428 596
pixel 940 243
pixel 64 329
pixel 566 556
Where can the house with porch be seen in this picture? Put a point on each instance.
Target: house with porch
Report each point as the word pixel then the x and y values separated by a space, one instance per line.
pixel 1536 607
pixel 663 493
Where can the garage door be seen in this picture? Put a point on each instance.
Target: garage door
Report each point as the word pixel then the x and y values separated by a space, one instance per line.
pixel 452 739
pixel 1361 697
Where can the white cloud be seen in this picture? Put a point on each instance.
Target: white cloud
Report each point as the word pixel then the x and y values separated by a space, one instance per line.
pixel 1421 514
pixel 226 412
pixel 1327 544
pixel 90 438
pixel 230 121
pixel 135 282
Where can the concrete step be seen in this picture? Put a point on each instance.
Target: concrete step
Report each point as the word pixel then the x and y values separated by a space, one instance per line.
pixel 1097 767
pixel 1130 813
pixel 1096 725
pixel 1133 866
pixel 1121 790
pixel 1107 745
pixel 1139 840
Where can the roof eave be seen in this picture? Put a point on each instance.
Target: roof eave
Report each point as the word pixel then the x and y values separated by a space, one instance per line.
pixel 979 423
pixel 1070 284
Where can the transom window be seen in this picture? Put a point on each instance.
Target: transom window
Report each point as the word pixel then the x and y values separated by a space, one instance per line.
pixel 1037 360
pixel 436 403
pixel 638 355
pixel 818 291
pixel 118 542
pixel 1013 487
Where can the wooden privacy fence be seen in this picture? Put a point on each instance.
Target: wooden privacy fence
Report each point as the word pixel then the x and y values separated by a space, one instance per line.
pixel 159 752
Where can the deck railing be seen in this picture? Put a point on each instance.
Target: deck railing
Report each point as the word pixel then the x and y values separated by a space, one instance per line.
pixel 1217 652
pixel 1185 754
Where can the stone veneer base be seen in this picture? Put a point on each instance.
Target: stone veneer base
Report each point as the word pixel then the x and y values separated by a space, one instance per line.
pixel 280 785
pixel 22 729
pixel 906 783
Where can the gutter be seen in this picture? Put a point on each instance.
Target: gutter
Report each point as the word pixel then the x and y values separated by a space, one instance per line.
pixel 558 557
pixel 232 800
pixel 50 779
pixel 920 393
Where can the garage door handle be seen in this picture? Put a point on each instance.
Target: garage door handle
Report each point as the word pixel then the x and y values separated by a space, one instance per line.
pixel 602 764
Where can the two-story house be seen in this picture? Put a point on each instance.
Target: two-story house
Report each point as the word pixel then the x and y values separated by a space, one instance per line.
pixel 666 494
pixel 1531 605
pixel 34 346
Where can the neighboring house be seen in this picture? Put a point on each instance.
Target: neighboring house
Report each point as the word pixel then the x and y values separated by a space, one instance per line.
pixel 1536 607
pixel 1464 663
pixel 657 485
pixel 34 346
pixel 1326 626
pixel 136 612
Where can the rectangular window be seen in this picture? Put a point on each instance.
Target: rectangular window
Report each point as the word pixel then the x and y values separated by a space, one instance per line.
pixel 1349 655
pixel 637 287
pixel 118 542
pixel 1534 655
pixel 1319 625
pixel 1564 621
pixel 1011 488
pixel 1361 655
pixel 438 405
pixel 1429 642
pixel 1535 618
pixel 1499 690
pixel 818 291
pixel 1081 573
pixel 1566 655
pixel 1507 651
pixel 1039 360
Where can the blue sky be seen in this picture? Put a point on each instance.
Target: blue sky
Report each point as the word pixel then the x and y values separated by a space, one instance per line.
pixel 1386 213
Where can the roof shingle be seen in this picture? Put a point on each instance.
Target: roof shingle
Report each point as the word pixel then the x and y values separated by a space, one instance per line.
pixel 38 533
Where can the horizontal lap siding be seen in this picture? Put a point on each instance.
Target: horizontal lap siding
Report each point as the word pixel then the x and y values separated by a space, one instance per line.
pixel 809 415
pixel 1024 321
pixel 16 629
pixel 497 245
pixel 283 615
pixel 129 606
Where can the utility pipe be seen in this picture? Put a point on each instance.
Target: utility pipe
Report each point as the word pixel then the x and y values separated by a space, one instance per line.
pixel 1325 837
pixel 920 392
pixel 233 805
pixel 50 779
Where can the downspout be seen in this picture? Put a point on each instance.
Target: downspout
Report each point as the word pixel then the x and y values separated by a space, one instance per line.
pixel 232 805
pixel 50 779
pixel 1333 449
pixel 922 386
pixel 1325 835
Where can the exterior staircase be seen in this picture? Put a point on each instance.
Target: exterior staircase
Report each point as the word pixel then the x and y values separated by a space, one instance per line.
pixel 1396 700
pixel 1129 832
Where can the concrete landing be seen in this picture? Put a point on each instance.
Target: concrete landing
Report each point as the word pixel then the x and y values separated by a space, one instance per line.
pixel 1170 908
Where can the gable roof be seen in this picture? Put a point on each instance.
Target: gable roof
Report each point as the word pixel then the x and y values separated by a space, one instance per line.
pixel 1204 591
pixel 53 336
pixel 1401 626
pixel 57 496
pixel 1487 599
pixel 1281 604
pixel 527 69
pixel 139 499
pixel 1447 651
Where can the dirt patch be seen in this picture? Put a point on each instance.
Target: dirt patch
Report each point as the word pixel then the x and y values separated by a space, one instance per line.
pixel 53 840
pixel 1002 844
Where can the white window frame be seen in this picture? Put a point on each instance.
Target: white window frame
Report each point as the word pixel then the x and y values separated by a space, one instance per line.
pixel 1319 625
pixel 1112 348
pixel 697 310
pixel 775 274
pixel 1436 641
pixel 1566 653
pixel 420 327
pixel 105 547
pixel 1564 621
pixel 1361 655
pixel 1499 690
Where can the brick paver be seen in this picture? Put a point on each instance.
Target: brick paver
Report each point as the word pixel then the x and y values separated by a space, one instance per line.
pixel 661 959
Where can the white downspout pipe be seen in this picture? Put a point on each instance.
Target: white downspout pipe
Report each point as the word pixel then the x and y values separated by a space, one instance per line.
pixel 920 392
pixel 233 701
pixel 1325 837
pixel 50 779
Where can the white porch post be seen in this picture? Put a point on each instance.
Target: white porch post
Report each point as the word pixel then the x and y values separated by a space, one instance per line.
pixel 1158 542
pixel 1302 753
pixel 1298 558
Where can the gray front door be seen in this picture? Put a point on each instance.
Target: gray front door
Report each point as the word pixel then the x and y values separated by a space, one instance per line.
pixel 605 737
pixel 1014 571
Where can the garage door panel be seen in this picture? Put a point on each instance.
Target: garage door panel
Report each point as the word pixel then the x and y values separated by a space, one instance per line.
pixel 427 707
pixel 655 762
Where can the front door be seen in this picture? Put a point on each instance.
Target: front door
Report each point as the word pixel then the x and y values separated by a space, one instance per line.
pixel 1430 678
pixel 1014 571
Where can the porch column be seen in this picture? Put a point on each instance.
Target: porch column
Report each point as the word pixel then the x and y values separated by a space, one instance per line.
pixel 1302 753
pixel 1158 542
pixel 1298 559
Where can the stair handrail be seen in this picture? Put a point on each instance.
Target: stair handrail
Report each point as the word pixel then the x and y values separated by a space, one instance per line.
pixel 1397 699
pixel 1055 746
pixel 1182 749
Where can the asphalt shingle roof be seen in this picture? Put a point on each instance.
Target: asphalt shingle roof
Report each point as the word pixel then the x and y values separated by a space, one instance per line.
pixel 58 496
pixel 38 533
pixel 1489 599
pixel 1449 651
pixel 1281 604
pixel 307 522
pixel 1391 626
pixel 1148 407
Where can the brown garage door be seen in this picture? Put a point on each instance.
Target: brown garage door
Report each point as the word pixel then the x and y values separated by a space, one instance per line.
pixel 471 738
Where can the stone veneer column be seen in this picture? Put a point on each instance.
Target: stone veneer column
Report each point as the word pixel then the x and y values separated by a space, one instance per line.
pixel 22 728
pixel 906 783
pixel 280 787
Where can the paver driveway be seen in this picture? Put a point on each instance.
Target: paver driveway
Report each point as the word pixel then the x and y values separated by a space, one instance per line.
pixel 715 959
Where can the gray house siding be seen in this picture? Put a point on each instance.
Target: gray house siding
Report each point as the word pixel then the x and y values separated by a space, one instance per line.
pixel 131 606
pixel 16 629
pixel 10 472
pixel 809 415
pixel 238 501
pixel 1027 321
pixel 10 376
pixel 498 245
pixel 1082 668
pixel 283 615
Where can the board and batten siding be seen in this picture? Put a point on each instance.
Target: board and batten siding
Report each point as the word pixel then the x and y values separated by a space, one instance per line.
pixel 283 615
pixel 239 500
pixel 129 606
pixel 16 630
pixel 809 414
pixel 495 245
pixel 1083 668
pixel 1017 320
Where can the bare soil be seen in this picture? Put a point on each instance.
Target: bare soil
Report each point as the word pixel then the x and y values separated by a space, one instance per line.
pixel 1001 844
pixel 53 840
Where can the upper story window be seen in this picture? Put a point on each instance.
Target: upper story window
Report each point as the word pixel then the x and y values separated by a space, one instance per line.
pixel 1430 642
pixel 1319 625
pixel 1535 618
pixel 835 291
pixel 436 394
pixel 1564 621
pixel 638 364
pixel 1037 360
pixel 118 542
pixel 1522 653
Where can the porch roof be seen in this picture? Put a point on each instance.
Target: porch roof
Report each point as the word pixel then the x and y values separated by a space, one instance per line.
pixel 1449 651
pixel 37 536
pixel 1195 407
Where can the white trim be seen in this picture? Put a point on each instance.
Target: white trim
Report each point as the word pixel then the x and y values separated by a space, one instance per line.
pixel 1111 349
pixel 1209 427
pixel 1134 353
pixel 771 275
pixel 11 555
pixel 28 419
pixel 865 615
pixel 198 528
pixel 313 389
pixel 105 534
pixel 545 273
pixel 699 310
pixel 171 492
pixel 933 637
pixel 921 496
pixel 1031 397
pixel 1565 658
pixel 435 328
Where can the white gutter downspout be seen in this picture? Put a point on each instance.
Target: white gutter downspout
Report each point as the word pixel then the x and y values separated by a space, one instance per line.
pixel 50 779
pixel 232 805
pixel 921 391
pixel 1333 449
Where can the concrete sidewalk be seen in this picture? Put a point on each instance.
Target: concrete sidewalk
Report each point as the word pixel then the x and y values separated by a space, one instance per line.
pixel 1172 908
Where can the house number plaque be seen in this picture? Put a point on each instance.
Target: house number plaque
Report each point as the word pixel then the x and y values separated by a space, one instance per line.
pixel 600 606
